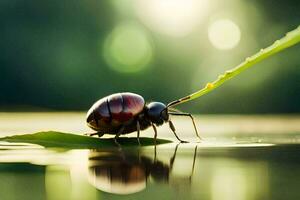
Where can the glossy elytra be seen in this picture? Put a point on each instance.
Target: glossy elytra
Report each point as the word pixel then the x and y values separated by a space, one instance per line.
pixel 124 113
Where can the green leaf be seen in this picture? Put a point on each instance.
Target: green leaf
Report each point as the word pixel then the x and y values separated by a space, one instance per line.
pixel 56 139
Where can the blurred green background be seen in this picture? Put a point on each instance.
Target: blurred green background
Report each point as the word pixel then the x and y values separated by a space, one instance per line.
pixel 64 55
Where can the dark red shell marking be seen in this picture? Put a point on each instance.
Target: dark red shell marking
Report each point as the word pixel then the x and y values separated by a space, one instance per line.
pixel 116 109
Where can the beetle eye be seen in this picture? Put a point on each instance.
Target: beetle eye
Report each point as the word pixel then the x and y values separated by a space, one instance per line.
pixel 164 114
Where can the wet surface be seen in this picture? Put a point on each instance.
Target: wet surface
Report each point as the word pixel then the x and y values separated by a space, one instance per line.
pixel 244 160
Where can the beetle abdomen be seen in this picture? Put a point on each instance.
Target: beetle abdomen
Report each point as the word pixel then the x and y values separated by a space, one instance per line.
pixel 116 109
pixel 133 103
pixel 124 107
pixel 100 113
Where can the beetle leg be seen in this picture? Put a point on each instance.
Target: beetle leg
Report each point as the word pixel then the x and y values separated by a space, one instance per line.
pixel 118 135
pixel 192 118
pixel 100 134
pixel 155 133
pixel 92 134
pixel 172 127
pixel 138 132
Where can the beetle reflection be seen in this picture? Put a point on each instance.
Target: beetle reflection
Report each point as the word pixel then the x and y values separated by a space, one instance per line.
pixel 126 172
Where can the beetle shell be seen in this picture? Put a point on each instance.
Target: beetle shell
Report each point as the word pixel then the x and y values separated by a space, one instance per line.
pixel 115 110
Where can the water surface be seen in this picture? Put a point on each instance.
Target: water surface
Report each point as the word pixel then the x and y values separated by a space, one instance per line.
pixel 241 157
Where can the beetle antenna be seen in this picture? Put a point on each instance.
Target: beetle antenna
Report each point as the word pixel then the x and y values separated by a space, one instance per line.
pixel 179 101
pixel 171 109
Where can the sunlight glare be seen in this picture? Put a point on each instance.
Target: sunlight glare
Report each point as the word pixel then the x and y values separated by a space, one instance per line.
pixel 172 17
pixel 224 34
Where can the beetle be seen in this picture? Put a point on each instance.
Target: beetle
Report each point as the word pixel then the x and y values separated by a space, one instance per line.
pixel 123 113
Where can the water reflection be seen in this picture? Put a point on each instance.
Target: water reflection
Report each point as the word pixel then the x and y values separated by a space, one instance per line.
pixel 170 172
pixel 125 172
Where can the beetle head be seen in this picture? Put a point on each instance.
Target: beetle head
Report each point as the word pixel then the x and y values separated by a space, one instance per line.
pixel 157 113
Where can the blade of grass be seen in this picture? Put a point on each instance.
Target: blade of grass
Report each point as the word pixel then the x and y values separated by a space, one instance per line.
pixel 55 139
pixel 290 39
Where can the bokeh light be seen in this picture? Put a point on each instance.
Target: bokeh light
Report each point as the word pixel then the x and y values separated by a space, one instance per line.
pixel 128 48
pixel 149 45
pixel 172 17
pixel 224 34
